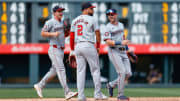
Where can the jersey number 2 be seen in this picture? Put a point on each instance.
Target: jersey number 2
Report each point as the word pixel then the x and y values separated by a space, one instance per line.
pixel 79 31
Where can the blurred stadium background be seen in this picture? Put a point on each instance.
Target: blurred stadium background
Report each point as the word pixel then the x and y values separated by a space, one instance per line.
pixel 153 26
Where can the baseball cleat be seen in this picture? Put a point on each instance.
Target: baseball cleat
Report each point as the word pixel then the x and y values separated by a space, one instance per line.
pixel 123 98
pixel 110 90
pixel 38 90
pixel 70 95
pixel 101 96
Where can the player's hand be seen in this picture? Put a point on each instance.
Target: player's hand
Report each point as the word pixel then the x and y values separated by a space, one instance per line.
pixel 55 34
pixel 130 50
pixel 98 50
pixel 125 42
pixel 72 59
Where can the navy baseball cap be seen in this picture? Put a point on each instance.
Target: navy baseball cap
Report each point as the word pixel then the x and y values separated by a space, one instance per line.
pixel 57 8
pixel 111 11
pixel 87 5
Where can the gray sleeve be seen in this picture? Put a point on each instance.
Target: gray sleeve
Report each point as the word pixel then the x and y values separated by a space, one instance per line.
pixel 47 26
pixel 96 25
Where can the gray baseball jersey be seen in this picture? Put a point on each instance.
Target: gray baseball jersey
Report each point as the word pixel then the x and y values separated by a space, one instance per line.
pixel 56 54
pixel 117 55
pixel 84 27
pixel 53 25
pixel 115 32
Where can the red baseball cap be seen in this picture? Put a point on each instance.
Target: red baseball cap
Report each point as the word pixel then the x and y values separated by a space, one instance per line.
pixel 57 8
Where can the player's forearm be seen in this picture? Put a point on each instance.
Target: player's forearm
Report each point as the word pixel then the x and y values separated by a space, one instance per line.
pixel 110 42
pixel 98 38
pixel 47 34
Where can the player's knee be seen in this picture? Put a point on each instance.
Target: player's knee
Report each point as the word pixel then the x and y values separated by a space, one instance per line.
pixel 60 68
pixel 95 72
pixel 122 71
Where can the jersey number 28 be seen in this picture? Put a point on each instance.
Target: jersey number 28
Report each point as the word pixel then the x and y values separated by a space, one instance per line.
pixel 79 31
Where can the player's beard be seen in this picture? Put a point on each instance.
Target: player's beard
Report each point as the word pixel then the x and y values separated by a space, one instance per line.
pixel 60 16
pixel 91 14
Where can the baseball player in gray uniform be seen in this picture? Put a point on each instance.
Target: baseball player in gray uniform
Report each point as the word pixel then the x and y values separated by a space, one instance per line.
pixel 84 29
pixel 117 48
pixel 53 29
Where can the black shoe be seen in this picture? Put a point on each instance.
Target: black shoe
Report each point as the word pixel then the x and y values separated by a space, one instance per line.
pixel 110 90
pixel 122 98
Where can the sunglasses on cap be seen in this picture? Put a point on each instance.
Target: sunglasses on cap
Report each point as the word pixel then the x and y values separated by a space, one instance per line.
pixel 111 12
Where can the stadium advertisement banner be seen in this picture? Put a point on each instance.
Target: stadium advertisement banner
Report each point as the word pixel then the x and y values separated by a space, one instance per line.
pixel 137 48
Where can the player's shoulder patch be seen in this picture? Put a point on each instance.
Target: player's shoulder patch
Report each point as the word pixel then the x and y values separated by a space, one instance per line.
pixel 106 33
pixel 45 27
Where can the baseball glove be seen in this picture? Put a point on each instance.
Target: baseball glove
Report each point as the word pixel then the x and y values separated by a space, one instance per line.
pixel 67 27
pixel 133 57
pixel 72 61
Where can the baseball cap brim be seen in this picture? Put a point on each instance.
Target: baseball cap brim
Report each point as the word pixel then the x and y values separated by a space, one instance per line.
pixel 92 7
pixel 111 13
pixel 60 9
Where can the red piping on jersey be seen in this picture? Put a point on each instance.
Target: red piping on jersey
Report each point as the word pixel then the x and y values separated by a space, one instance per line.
pixel 72 40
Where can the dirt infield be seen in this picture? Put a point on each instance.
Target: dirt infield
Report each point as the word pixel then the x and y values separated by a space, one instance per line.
pixel 91 99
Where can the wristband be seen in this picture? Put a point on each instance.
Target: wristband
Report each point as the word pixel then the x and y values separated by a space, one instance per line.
pixel 126 46
pixel 117 42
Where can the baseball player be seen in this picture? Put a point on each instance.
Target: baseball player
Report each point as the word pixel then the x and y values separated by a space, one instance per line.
pixel 53 29
pixel 84 29
pixel 117 47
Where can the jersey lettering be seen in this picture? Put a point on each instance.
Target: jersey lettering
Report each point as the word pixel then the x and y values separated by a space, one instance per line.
pixel 79 31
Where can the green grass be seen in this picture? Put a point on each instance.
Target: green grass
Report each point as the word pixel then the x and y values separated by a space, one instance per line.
pixel 58 92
